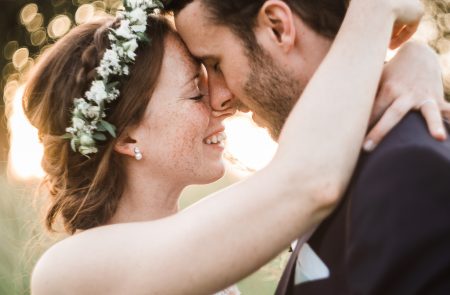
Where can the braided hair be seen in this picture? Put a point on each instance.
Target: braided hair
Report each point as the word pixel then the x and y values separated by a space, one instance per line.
pixel 85 192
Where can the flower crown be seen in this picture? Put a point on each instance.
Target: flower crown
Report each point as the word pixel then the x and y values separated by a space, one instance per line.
pixel 88 123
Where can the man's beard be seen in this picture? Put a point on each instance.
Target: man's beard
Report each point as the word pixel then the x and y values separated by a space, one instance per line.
pixel 273 91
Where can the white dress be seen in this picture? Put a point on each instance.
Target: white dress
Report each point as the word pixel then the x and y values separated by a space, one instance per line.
pixel 233 290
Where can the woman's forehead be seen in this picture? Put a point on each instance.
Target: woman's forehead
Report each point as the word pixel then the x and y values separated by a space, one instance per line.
pixel 178 56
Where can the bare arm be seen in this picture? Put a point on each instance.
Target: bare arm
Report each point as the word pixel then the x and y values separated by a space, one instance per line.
pixel 231 234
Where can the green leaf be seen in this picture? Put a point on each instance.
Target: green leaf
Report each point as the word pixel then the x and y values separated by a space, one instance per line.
pixel 112 85
pixel 99 136
pixel 143 37
pixel 160 4
pixel 67 136
pixel 73 144
pixel 109 127
pixel 101 128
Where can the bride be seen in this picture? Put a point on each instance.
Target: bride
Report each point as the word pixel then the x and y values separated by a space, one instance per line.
pixel 126 125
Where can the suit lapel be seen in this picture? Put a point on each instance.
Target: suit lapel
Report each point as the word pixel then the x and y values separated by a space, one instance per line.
pixel 289 271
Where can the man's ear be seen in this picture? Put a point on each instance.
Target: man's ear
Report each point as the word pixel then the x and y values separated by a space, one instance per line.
pixel 275 23
pixel 125 145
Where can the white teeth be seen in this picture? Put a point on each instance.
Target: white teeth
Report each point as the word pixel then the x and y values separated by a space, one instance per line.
pixel 217 138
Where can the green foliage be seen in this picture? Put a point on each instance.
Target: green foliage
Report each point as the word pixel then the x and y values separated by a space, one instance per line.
pixel 22 240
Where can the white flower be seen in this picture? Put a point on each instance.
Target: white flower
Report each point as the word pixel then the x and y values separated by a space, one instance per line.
pixel 71 130
pixel 110 64
pixel 86 140
pixel 131 3
pixel 130 48
pixel 138 3
pixel 113 94
pixel 124 30
pixel 84 150
pixel 138 16
pixel 126 70
pixel 81 104
pixel 139 28
pixel 97 92
pixel 78 123
pixel 92 112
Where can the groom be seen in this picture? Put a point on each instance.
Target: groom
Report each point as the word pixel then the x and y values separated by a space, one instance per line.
pixel 391 234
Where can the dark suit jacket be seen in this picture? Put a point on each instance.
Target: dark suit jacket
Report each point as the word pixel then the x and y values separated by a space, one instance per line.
pixel 391 234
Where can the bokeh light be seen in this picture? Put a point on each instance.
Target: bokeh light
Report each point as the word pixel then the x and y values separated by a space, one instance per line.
pixel 10 90
pixel 9 49
pixel 427 31
pixel 20 58
pixel 28 13
pixel 84 13
pixel 59 26
pixel 8 71
pixel 38 37
pixel 36 23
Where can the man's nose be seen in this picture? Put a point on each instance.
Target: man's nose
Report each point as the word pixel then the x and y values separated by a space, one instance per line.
pixel 222 101
pixel 221 98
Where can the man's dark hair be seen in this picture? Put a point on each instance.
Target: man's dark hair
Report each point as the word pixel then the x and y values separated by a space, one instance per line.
pixel 323 16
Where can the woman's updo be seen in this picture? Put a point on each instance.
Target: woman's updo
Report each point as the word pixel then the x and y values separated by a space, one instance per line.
pixel 85 191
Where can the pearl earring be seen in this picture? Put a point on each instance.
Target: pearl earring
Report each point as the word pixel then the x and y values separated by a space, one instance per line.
pixel 137 154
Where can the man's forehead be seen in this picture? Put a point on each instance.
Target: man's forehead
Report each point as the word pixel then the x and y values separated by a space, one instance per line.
pixel 199 34
pixel 195 12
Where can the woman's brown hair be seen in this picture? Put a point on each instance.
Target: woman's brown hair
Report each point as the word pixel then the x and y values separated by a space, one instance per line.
pixel 85 192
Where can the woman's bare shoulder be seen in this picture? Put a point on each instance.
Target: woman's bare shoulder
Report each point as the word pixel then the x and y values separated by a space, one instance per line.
pixel 50 272
pixel 67 268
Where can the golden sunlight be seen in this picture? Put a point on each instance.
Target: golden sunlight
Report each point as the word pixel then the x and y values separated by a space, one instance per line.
pixel 26 152
pixel 251 146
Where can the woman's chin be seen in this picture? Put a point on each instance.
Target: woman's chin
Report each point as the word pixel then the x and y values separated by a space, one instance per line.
pixel 215 173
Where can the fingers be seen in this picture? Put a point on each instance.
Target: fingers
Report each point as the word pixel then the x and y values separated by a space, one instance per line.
pixel 432 114
pixel 395 113
pixel 378 109
pixel 387 93
pixel 391 118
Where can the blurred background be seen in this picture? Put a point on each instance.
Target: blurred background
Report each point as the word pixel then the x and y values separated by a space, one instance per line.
pixel 29 27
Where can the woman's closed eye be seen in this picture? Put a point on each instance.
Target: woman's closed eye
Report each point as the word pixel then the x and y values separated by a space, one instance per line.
pixel 198 97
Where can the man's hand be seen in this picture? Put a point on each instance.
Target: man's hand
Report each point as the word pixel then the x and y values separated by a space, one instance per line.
pixel 412 80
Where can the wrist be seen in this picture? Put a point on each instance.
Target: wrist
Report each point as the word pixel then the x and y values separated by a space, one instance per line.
pixel 381 11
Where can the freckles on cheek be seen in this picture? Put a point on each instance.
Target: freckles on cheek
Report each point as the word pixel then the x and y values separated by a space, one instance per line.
pixel 188 136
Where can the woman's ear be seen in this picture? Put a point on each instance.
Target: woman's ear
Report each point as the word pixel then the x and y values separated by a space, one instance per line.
pixel 125 145
pixel 275 23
